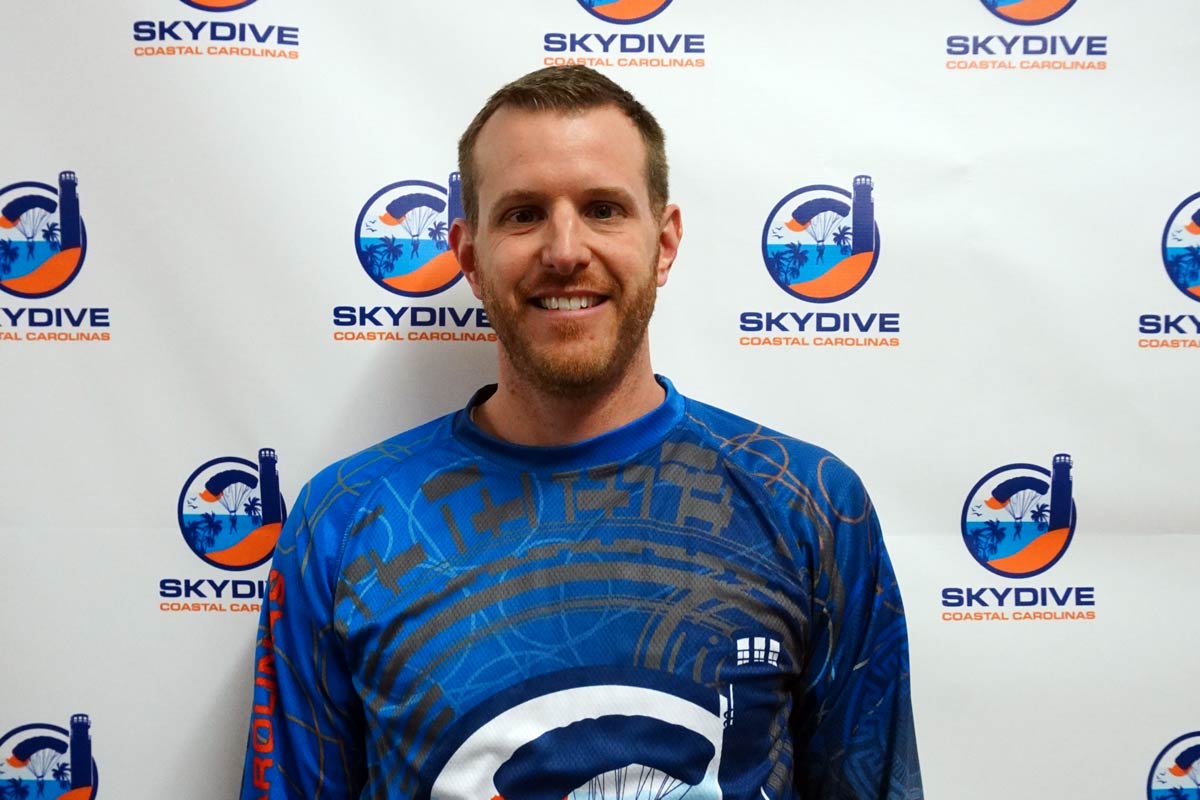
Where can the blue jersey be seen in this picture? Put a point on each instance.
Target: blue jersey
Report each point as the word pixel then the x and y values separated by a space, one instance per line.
pixel 690 604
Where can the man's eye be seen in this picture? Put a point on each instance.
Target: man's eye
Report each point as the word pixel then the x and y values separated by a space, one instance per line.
pixel 522 216
pixel 604 211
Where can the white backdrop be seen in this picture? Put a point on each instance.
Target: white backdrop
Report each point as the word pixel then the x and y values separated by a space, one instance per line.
pixel 1021 214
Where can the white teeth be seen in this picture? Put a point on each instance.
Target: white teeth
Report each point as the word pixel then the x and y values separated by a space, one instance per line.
pixel 565 303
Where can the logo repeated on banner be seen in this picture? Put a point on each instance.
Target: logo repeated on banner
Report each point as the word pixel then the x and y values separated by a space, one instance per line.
pixel 1028 12
pixel 401 240
pixel 623 47
pixel 1017 522
pixel 230 512
pixel 1181 260
pixel 43 244
pixel 1176 772
pixel 820 244
pixel 215 37
pixel 49 762
pixel 1020 51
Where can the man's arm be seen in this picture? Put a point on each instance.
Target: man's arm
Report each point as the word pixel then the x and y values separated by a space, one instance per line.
pixel 306 731
pixel 854 727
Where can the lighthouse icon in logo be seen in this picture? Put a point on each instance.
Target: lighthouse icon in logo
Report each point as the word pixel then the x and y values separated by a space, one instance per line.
pixel 1017 524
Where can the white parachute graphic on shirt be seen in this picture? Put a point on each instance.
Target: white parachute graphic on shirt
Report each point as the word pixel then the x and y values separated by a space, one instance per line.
pixel 599 743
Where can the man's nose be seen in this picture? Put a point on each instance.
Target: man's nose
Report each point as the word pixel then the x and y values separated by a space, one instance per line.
pixel 565 249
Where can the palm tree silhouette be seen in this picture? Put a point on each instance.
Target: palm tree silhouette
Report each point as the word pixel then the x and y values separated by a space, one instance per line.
pixel 210 527
pixel 1039 515
pixel 17 789
pixel 392 250
pixel 986 542
pixel 253 509
pixel 50 234
pixel 8 255
pixel 797 256
pixel 437 232
pixel 842 237
pixel 62 774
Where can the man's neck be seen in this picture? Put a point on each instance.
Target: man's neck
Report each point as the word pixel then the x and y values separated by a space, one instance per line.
pixel 523 414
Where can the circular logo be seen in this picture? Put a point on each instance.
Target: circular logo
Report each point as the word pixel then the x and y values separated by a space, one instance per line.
pixel 624 12
pixel 1181 247
pixel 1176 772
pixel 820 243
pixel 218 5
pixel 617 740
pixel 1019 519
pixel 402 237
pixel 42 238
pixel 231 512
pixel 49 762
pixel 1028 12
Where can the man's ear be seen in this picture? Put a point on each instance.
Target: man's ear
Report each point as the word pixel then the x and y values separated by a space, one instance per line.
pixel 462 243
pixel 669 234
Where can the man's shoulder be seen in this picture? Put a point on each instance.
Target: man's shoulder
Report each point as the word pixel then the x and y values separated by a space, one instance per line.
pixel 778 459
pixel 348 481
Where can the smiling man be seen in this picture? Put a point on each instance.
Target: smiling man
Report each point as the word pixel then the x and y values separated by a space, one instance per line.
pixel 583 584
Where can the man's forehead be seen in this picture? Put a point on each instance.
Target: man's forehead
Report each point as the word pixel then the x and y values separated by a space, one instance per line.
pixel 514 138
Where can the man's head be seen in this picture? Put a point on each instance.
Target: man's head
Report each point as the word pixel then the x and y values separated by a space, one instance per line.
pixel 569 241
pixel 570 89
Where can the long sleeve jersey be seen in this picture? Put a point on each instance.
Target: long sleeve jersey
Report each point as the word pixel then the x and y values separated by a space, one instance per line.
pixel 690 604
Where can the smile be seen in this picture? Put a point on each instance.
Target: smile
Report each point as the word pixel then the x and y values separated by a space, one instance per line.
pixel 573 303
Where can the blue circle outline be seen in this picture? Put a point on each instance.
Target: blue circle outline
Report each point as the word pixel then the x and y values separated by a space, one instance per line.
pixel 217 10
pixel 1011 21
pixel 1158 758
pixel 82 243
pixel 1163 247
pixel 95 787
pixel 358 227
pixel 651 15
pixel 967 507
pixel 767 230
pixel 245 462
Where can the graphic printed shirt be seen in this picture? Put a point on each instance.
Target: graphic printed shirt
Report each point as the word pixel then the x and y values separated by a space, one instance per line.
pixel 689 605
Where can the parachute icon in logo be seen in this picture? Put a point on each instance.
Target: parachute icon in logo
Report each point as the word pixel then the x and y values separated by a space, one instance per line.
pixel 50 763
pixel 624 733
pixel 218 5
pixel 1176 772
pixel 1181 247
pixel 231 511
pixel 1028 12
pixel 401 237
pixel 624 12
pixel 820 243
pixel 1016 523
pixel 42 238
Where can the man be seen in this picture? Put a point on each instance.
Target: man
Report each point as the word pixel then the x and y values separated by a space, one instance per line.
pixel 582 584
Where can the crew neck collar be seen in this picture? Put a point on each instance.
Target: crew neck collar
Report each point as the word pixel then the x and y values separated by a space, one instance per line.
pixel 619 444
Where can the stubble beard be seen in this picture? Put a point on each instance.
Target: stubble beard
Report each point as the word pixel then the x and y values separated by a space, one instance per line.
pixel 574 375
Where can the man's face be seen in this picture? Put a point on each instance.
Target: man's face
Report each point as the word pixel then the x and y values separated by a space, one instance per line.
pixel 567 254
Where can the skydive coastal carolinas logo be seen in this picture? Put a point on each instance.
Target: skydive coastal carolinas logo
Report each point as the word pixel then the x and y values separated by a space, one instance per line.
pixel 1176 772
pixel 1017 522
pixel 49 762
pixel 401 241
pixel 623 47
pixel 43 244
pixel 230 513
pixel 1181 259
pixel 215 37
pixel 1053 52
pixel 820 244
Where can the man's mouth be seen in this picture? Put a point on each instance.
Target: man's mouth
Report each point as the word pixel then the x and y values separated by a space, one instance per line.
pixel 569 302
